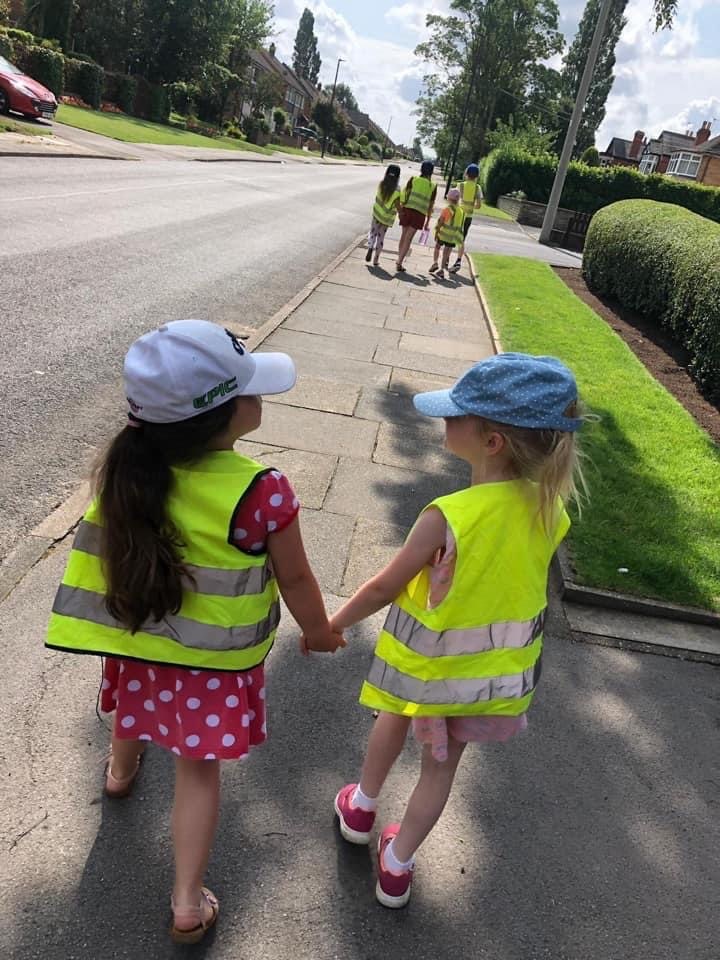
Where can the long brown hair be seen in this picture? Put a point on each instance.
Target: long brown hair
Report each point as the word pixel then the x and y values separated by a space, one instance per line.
pixel 389 183
pixel 140 547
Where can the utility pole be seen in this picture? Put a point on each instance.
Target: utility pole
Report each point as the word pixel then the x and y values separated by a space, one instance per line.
pixel 332 101
pixel 463 118
pixel 387 137
pixel 559 182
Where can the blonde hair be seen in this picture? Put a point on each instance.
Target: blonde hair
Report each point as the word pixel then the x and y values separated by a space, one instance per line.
pixel 550 458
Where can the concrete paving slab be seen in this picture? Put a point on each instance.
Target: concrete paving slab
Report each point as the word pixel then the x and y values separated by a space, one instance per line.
pixel 373 546
pixel 445 347
pixel 420 362
pixel 316 393
pixel 428 326
pixel 378 492
pixel 385 405
pixel 364 278
pixel 340 301
pixel 358 348
pixel 639 628
pixel 331 313
pixel 327 537
pixel 411 382
pixel 346 329
pixel 340 369
pixel 359 294
pixel 317 432
pixel 423 447
pixel 309 473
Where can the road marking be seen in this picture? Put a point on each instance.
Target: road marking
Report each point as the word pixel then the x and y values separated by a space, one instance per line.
pixel 93 193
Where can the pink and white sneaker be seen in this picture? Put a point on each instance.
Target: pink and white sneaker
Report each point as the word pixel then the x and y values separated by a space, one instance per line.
pixel 392 889
pixel 355 823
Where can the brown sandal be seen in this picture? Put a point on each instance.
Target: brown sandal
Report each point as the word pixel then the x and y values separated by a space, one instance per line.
pixel 116 788
pixel 196 933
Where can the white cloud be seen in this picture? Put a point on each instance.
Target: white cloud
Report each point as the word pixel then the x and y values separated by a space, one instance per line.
pixel 384 75
pixel 662 80
pixel 413 16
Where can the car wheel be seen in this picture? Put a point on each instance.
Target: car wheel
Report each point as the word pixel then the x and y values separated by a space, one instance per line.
pixel 4 102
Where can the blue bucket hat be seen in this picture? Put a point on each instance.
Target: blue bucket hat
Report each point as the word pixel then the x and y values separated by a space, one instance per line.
pixel 513 388
pixel 473 170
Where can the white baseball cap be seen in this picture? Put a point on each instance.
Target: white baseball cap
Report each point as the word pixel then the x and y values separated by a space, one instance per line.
pixel 188 367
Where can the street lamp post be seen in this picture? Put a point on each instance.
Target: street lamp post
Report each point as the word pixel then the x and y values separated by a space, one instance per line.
pixel 559 182
pixel 387 137
pixel 332 101
pixel 466 105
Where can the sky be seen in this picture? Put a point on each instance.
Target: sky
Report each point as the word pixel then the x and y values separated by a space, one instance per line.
pixel 664 81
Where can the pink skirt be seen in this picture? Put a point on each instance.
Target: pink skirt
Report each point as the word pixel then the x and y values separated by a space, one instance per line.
pixel 435 731
pixel 196 714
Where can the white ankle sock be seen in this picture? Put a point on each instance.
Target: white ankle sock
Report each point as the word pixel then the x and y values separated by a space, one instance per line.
pixel 365 803
pixel 391 861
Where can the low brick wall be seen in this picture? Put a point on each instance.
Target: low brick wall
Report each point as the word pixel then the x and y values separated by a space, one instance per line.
pixel 532 214
pixel 283 140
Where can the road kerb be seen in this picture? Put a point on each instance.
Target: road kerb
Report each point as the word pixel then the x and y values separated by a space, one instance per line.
pixel 64 518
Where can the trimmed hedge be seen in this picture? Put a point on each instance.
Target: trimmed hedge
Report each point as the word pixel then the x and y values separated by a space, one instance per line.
pixel 663 262
pixel 42 64
pixel 85 79
pixel 151 102
pixel 120 88
pixel 590 188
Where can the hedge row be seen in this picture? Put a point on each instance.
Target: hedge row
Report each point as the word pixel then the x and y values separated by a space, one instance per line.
pixel 662 261
pixel 83 77
pixel 590 188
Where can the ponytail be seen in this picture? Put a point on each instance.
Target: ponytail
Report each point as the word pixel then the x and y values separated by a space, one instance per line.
pixel 140 547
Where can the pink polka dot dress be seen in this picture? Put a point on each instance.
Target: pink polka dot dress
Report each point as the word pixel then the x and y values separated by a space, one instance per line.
pixel 200 714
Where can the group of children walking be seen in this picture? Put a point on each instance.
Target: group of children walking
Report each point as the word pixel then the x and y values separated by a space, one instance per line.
pixel 177 569
pixel 415 205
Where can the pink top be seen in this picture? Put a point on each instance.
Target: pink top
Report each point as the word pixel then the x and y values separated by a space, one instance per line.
pixel 198 713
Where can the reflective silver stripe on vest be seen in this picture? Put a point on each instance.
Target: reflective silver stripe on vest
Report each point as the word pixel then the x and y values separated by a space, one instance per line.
pixel 87 605
pixel 464 691
pixel 450 643
pixel 214 581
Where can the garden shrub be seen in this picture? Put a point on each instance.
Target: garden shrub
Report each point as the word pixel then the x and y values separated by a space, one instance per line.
pixel 6 47
pixel 43 64
pixel 84 78
pixel 662 261
pixel 589 188
pixel 120 88
pixel 23 35
pixel 183 96
pixel 151 101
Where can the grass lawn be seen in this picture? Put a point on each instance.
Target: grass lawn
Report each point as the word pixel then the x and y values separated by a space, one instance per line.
pixel 17 126
pixel 132 130
pixel 653 473
pixel 297 150
pixel 487 211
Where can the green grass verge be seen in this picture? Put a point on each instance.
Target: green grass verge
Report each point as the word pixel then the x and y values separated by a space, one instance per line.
pixel 653 473
pixel 297 150
pixel 133 130
pixel 17 126
pixel 487 211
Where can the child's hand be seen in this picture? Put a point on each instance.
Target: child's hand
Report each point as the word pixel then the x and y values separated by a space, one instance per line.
pixel 327 642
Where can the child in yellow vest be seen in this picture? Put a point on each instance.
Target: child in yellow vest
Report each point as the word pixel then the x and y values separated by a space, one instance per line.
pixel 448 232
pixel 459 656
pixel 173 578
pixel 470 199
pixel 387 201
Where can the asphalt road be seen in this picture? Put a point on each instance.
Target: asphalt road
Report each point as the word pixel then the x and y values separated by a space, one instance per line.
pixel 95 252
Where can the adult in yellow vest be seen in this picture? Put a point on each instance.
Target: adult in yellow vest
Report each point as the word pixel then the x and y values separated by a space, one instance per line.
pixel 448 232
pixel 387 201
pixel 471 197
pixel 417 205
pixel 459 655
pixel 173 578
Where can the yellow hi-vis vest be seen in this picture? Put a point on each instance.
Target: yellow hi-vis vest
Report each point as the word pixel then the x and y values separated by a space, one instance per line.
pixel 418 194
pixel 478 651
pixel 469 192
pixel 384 210
pixel 452 231
pixel 228 618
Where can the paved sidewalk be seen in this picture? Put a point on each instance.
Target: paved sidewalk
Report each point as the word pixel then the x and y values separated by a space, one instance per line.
pixel 592 837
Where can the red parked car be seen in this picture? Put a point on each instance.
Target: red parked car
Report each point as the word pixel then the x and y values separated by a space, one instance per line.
pixel 24 95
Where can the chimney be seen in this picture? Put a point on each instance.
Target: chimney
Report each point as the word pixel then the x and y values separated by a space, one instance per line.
pixel 636 145
pixel 703 133
pixel 271 49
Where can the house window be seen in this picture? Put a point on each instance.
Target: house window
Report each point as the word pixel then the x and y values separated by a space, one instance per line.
pixel 684 165
pixel 648 163
pixel 294 98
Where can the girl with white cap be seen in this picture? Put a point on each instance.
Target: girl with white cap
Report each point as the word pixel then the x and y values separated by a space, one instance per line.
pixel 459 656
pixel 174 574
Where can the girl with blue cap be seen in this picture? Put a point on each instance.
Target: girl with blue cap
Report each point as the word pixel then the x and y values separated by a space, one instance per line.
pixel 459 655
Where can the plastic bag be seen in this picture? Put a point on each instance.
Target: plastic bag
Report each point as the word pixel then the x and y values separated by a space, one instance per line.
pixel 424 237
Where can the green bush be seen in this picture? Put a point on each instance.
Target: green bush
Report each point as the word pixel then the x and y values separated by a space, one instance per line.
pixel 6 46
pixel 120 88
pixel 590 188
pixel 42 64
pixel 183 96
pixel 84 79
pixel 662 261
pixel 23 35
pixel 151 101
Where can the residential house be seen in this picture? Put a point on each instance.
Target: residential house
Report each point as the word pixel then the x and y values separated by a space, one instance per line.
pixel 623 153
pixel 299 95
pixel 688 156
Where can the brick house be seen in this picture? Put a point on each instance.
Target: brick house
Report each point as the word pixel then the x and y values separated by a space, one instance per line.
pixel 299 95
pixel 624 153
pixel 688 156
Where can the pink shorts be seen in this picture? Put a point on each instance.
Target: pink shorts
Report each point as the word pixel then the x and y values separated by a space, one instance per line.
pixel 436 730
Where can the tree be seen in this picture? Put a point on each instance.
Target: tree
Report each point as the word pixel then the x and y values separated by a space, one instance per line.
pixel 267 90
pixel 603 77
pixel 306 59
pixel 345 96
pixel 591 157
pixel 330 122
pixel 417 150
pixel 523 134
